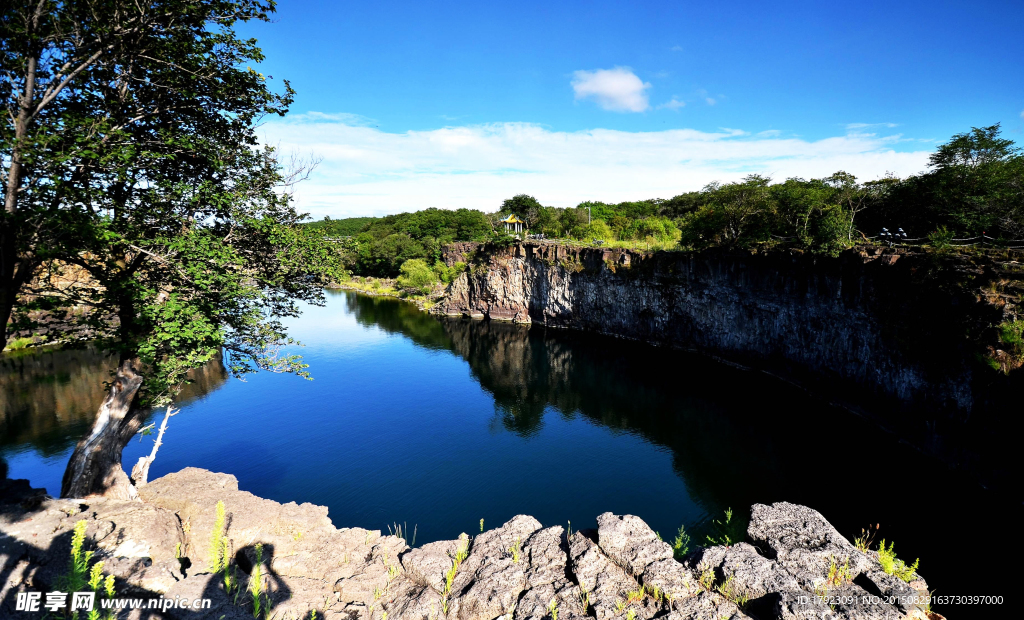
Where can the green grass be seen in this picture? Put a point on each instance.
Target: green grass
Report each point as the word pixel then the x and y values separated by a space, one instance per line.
pixel 728 531
pixel 895 566
pixel 80 575
pixel 681 544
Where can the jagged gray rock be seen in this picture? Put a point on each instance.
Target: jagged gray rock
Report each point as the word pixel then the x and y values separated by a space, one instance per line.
pixel 800 540
pixel 519 571
pixel 630 542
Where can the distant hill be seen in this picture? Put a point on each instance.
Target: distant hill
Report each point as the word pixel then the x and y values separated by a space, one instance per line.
pixel 347 227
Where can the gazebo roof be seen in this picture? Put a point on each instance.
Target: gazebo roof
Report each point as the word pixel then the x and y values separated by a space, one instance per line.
pixel 512 219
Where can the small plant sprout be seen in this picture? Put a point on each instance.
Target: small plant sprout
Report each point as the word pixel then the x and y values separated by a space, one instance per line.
pixel 584 599
pixel 838 575
pixel 260 597
pixel 216 540
pixel 729 590
pixel 729 532
pixel 895 566
pixel 481 525
pixel 681 544
pixel 553 609
pixel 866 538
pixel 707 579
pixel 515 550
pixel 631 614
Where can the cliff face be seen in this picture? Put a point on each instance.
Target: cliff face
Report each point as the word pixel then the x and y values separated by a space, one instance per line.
pixel 901 337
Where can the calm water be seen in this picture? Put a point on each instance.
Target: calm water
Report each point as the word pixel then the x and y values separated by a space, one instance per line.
pixel 440 423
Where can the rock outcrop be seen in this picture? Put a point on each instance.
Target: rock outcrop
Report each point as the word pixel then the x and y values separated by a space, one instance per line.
pixel 519 571
pixel 896 336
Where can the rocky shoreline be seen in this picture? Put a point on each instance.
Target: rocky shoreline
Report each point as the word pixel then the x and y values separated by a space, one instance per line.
pixel 795 565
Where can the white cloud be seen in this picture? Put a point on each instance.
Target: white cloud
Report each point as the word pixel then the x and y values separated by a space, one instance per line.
pixel 366 171
pixel 856 126
pixel 1022 113
pixel 618 89
pixel 710 100
pixel 673 104
pixel 677 48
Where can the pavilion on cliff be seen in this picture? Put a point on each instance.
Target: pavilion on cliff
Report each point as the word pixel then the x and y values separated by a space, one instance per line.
pixel 513 224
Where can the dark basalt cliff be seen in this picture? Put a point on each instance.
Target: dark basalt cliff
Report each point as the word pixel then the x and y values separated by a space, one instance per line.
pixel 907 339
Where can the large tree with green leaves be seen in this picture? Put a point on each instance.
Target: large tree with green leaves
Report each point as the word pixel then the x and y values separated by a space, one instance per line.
pixel 138 199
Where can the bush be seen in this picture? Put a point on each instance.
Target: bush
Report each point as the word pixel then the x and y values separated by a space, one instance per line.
pixel 417 275
pixel 448 274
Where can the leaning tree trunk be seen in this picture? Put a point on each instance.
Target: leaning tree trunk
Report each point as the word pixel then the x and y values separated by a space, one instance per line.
pixel 95 465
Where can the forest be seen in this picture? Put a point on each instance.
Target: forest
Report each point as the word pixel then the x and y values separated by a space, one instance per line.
pixel 973 189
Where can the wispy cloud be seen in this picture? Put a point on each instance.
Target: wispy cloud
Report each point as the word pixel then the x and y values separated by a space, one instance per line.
pixel 673 104
pixel 618 89
pixel 856 126
pixel 677 48
pixel 366 171
pixel 1022 113
pixel 710 100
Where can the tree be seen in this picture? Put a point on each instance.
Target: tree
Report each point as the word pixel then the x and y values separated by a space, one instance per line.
pixel 98 92
pixel 976 183
pixel 131 162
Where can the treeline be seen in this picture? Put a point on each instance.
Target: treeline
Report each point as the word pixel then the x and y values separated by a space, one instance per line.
pixel 975 186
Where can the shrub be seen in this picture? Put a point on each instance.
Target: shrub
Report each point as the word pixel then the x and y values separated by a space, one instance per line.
pixel 681 545
pixel 728 531
pixel 416 274
pixel 940 238
pixel 895 566
pixel 1012 337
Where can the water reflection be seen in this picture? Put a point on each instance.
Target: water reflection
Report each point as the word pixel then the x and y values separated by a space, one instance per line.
pixel 49 399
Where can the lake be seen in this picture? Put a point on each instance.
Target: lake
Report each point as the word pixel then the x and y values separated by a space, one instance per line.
pixel 438 423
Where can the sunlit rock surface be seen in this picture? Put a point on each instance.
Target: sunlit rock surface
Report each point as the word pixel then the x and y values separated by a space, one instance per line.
pixel 521 570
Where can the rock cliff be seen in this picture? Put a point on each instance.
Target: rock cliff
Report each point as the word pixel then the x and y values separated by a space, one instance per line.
pixel 796 565
pixel 908 339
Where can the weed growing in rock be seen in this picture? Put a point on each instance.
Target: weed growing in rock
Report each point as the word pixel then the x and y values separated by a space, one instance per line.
pixel 866 538
pixel 584 599
pixel 553 609
pixel 461 553
pixel 515 550
pixel 403 532
pixel 895 566
pixel 217 541
pixel 631 614
pixel 838 575
pixel 481 526
pixel 261 603
pixel 729 531
pixel 707 579
pixel 681 544
pixel 733 592
pixel 78 567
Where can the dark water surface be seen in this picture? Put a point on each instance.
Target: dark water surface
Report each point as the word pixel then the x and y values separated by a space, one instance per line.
pixel 440 423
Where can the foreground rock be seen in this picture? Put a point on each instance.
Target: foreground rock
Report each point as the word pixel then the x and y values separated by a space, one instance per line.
pixel 519 571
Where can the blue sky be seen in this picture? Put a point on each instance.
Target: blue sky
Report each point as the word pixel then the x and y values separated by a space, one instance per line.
pixel 458 104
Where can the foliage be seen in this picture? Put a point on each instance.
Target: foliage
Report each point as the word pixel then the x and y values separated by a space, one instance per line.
pixel 838 575
pixel 1011 334
pixel 895 566
pixel 346 227
pixel 386 243
pixel 727 531
pixel 218 560
pixel 448 274
pixel 681 544
pixel 940 238
pixel 108 105
pixel 417 275
pixel 80 574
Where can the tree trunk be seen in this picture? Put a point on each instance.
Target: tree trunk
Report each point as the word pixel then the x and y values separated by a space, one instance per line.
pixel 95 465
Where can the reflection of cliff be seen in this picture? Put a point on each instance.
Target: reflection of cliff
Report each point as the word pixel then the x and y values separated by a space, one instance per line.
pixel 49 399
